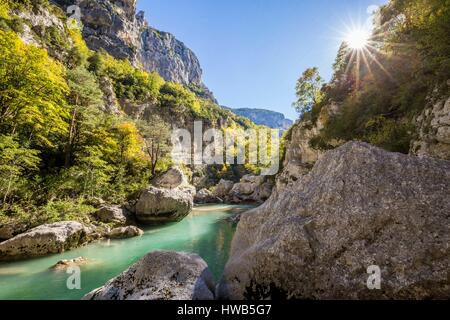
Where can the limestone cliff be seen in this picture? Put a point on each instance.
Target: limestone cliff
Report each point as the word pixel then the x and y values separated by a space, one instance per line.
pixel 268 118
pixel 433 131
pixel 114 25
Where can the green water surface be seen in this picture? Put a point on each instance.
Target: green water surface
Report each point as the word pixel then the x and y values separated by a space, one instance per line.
pixel 207 231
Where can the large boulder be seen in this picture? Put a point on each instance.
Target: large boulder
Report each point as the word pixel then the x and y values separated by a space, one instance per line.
pixel 160 275
pixel 173 178
pixel 223 188
pixel 157 205
pixel 114 215
pixel 45 239
pixel 359 207
pixel 205 196
pixel 252 189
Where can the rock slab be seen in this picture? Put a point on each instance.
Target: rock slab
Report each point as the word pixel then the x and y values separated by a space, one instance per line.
pixel 45 239
pixel 160 275
pixel 359 206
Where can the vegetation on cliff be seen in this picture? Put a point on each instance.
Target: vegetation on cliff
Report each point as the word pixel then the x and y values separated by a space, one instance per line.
pixel 61 149
pixel 380 88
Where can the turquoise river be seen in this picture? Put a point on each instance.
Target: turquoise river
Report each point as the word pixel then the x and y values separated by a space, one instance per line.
pixel 207 231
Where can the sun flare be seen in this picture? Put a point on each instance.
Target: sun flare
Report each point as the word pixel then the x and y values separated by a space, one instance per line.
pixel 357 39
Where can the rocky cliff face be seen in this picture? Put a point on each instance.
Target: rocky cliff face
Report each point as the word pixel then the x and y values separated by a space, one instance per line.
pixel 114 26
pixel 358 207
pixel 271 119
pixel 433 127
pixel 163 53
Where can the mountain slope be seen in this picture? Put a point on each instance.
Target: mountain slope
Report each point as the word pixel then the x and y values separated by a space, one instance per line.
pixel 271 119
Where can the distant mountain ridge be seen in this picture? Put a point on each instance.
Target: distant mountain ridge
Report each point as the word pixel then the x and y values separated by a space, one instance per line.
pixel 272 119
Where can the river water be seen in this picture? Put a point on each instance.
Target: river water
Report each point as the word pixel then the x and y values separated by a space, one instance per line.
pixel 207 232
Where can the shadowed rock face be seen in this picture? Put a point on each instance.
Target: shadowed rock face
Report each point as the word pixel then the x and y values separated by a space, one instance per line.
pixel 160 275
pixel 359 206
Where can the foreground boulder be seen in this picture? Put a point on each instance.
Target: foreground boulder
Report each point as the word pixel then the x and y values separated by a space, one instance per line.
pixel 359 207
pixel 45 239
pixel 157 205
pixel 160 275
pixel 125 232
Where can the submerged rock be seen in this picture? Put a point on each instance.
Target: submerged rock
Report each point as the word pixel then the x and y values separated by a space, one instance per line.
pixel 64 264
pixel 45 239
pixel 125 232
pixel 359 207
pixel 160 275
pixel 163 205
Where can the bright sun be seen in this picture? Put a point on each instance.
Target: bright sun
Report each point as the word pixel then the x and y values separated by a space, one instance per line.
pixel 357 39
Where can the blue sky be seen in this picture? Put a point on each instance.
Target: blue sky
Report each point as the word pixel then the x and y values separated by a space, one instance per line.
pixel 253 51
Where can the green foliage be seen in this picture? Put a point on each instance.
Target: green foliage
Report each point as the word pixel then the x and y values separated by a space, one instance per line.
pixel 156 134
pixel 32 92
pixel 60 151
pixel 179 99
pixel 129 83
pixel 308 90
pixel 15 163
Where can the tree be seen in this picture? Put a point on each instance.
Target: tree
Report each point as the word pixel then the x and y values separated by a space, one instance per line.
pixel 15 161
pixel 92 172
pixel 85 95
pixel 32 93
pixel 308 90
pixel 156 134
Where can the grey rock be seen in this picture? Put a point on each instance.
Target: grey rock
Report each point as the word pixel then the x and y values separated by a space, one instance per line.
pixel 163 53
pixel 45 239
pixel 433 128
pixel 173 178
pixel 11 229
pixel 205 196
pixel 251 189
pixel 115 215
pixel 223 188
pixel 359 206
pixel 125 232
pixel 160 275
pixel 157 205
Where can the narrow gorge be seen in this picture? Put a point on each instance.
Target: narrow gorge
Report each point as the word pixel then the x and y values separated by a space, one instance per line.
pixel 98 106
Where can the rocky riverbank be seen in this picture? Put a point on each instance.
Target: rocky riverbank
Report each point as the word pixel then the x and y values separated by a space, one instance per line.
pixel 169 199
